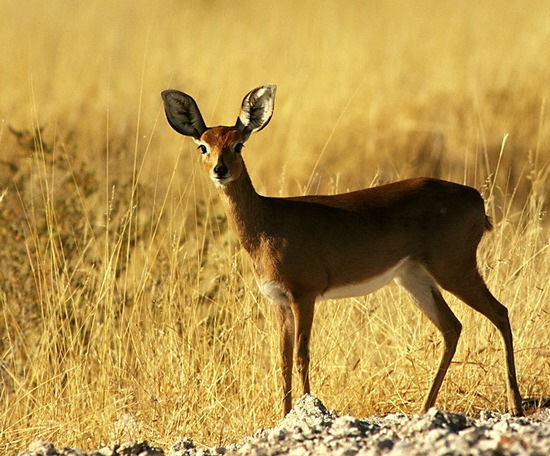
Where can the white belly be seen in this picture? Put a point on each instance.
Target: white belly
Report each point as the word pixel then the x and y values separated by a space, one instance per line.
pixel 366 286
pixel 277 294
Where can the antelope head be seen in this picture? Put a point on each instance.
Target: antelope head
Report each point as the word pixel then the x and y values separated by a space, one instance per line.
pixel 220 146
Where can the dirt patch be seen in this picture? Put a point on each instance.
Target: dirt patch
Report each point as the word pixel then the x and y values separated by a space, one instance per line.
pixel 312 429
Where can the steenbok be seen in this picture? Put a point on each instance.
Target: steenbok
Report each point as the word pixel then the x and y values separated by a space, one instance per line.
pixel 419 232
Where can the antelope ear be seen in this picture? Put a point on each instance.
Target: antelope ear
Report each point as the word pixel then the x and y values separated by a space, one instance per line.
pixel 257 109
pixel 183 113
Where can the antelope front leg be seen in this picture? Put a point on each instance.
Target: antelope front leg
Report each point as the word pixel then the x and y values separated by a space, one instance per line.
pixel 286 348
pixel 303 319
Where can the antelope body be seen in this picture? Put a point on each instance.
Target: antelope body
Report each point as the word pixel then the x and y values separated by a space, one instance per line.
pixel 423 233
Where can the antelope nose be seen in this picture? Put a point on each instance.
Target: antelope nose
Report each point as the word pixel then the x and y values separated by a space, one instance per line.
pixel 220 169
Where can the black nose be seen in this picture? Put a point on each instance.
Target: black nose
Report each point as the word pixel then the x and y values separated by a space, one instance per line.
pixel 220 169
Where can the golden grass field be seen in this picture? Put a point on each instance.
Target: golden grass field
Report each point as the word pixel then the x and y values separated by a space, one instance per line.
pixel 128 310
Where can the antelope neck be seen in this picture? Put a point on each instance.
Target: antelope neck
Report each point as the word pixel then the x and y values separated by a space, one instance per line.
pixel 246 211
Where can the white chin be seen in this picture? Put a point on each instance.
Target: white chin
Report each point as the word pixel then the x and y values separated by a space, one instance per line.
pixel 221 182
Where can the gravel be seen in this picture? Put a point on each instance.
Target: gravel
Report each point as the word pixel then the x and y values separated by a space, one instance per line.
pixel 312 429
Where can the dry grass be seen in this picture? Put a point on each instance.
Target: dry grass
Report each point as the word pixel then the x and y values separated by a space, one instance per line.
pixel 127 308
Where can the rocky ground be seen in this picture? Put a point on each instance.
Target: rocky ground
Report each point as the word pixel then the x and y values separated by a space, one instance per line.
pixel 311 429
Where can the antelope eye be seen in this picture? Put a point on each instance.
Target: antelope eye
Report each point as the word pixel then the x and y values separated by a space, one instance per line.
pixel 203 149
pixel 239 148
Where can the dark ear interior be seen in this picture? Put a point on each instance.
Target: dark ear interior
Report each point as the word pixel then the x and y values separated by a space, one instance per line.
pixel 257 109
pixel 183 113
